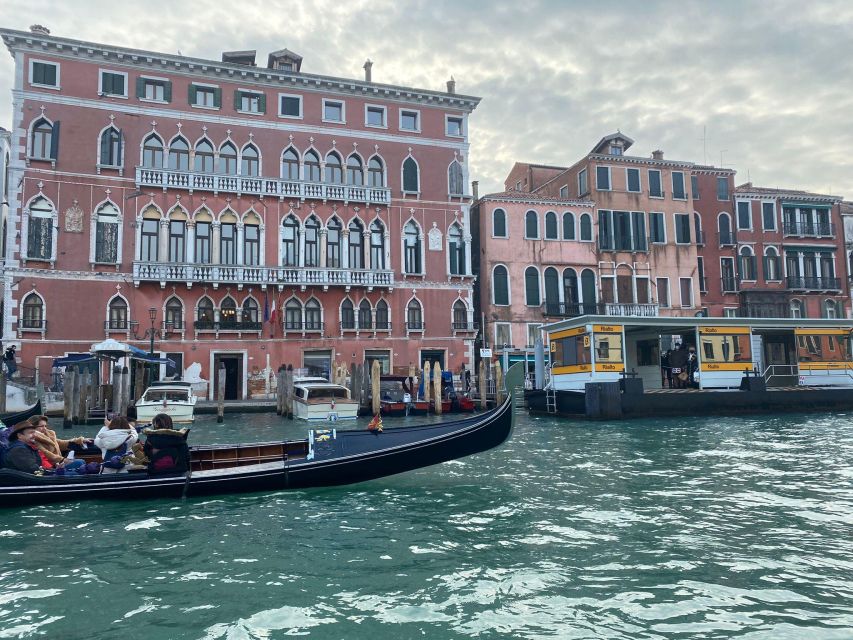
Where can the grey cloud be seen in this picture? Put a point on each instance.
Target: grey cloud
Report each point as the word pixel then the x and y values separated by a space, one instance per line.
pixel 767 80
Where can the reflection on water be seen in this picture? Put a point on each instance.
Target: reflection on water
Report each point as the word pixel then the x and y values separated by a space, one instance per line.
pixel 684 528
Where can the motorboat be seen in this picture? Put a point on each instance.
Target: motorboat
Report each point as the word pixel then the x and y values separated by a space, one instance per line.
pixel 317 399
pixel 174 398
pixel 327 457
pixel 397 399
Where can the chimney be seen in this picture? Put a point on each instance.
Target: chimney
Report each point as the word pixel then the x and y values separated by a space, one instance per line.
pixel 368 66
pixel 657 155
pixel 39 29
pixel 475 189
pixel 451 85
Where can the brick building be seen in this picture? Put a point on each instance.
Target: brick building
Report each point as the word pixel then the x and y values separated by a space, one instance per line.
pixel 198 197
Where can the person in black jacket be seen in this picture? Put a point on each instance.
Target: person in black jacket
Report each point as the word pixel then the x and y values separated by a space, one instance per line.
pixel 23 454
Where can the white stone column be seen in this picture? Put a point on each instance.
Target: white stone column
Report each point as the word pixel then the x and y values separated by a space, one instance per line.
pixel 301 247
pixel 215 240
pixel 190 252
pixel 262 238
pixel 368 252
pixel 240 238
pixel 323 247
pixel 468 267
pixel 345 248
pixel 163 241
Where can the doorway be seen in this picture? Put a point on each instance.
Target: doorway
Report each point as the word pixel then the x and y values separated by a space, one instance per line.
pixel 433 355
pixel 780 355
pixel 232 365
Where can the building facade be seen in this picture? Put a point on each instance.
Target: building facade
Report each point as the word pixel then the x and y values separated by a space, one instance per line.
pixel 250 216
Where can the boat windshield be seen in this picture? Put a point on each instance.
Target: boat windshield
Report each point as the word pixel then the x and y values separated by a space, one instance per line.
pixel 391 391
pixel 169 395
pixel 327 392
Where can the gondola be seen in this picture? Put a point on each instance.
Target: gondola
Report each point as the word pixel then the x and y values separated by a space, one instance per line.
pixel 11 419
pixel 326 458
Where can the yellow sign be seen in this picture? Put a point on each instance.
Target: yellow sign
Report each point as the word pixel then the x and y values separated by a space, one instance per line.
pixel 568 333
pixel 586 341
pixel 553 347
pixel 726 366
pixel 607 328
pixel 723 330
pixel 821 332
pixel 574 368
pixel 824 366
pixel 609 366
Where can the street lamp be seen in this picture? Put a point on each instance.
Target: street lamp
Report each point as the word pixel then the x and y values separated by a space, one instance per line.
pixel 152 315
pixel 152 333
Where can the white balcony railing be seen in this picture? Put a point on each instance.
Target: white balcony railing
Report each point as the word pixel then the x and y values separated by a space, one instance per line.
pixel 631 309
pixel 284 276
pixel 259 186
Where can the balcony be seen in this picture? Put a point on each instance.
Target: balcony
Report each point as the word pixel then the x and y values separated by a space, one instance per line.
pixel 629 309
pixel 259 186
pixel 415 325
pixel 727 239
pixel 225 274
pixel 730 284
pixel 812 283
pixel 765 310
pixel 809 229
pixel 350 326
pixel 623 245
pixel 296 326
pixel 229 325
pixel 465 327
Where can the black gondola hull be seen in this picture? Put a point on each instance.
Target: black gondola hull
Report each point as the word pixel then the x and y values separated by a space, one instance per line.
pixel 11 419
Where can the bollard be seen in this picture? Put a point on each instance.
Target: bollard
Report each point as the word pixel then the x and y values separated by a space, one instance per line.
pixel 220 394
pixel 288 392
pixel 374 385
pixel 499 392
pixel 481 385
pixel 436 387
pixel 68 398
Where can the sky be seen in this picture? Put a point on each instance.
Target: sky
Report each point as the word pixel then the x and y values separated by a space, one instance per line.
pixel 760 87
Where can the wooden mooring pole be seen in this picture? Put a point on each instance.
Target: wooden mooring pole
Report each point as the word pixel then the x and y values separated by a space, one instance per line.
pixel 220 394
pixel 67 398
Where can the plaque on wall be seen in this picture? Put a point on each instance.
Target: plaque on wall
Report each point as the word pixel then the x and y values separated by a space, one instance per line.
pixel 74 219
pixel 434 238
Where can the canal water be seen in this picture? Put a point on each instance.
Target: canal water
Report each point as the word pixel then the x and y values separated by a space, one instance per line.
pixel 687 528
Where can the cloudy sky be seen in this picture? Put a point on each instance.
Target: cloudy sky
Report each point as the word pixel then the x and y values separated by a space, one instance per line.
pixel 768 82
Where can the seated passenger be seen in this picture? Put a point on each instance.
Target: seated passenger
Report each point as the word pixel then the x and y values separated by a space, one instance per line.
pixel 54 448
pixel 115 441
pixel 166 447
pixel 23 453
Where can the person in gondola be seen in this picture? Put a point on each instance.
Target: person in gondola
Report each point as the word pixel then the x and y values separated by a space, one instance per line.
pixel 115 441
pixel 23 453
pixel 166 447
pixel 54 448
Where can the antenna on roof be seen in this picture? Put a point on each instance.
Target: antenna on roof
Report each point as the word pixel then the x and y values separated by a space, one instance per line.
pixel 180 54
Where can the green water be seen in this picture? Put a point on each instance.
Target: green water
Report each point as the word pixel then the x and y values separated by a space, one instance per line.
pixel 688 528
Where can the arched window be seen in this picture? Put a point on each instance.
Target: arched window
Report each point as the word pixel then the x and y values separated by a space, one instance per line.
pixel 117 314
pixel 500 285
pixel 747 264
pixel 568 226
pixel 552 289
pixel 152 152
pixel 570 293
pixel 312 242
pixel 460 316
pixel 414 316
pixel 456 248
pixel 531 225
pixel 203 237
pixel 111 148
pixel 290 242
pixel 149 236
pixel 179 155
pixel 41 142
pixel 204 314
pixel 40 230
pixel 412 248
pixel 377 245
pixel 312 167
pixel 586 228
pixel 333 243
pixel 499 223
pixel 33 312
pixel 228 159
pixel 106 234
pixel 355 171
pixel 249 314
pixel 293 315
pixel 551 231
pixel 588 291
pixel 411 180
pixel 356 245
pixel 228 313
pixel 454 179
pixel 798 309
pixel 365 315
pixel 203 162
pixel 177 237
pixel 347 314
pixel 250 161
pixel 174 313
pixel 376 172
pixel 290 164
pixel 381 317
pixel 831 309
pixel 313 315
pixel 772 270
pixel 252 242
pixel 334 169
pixel 724 225
pixel 531 287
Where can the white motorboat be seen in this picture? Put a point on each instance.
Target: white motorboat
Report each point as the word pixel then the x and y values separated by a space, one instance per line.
pixel 317 399
pixel 175 399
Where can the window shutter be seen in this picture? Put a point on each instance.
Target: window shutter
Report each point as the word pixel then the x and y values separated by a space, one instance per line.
pixel 54 142
pixel 106 83
pixel 237 100
pixel 140 87
pixel 262 103
pixel 120 159
pixel 167 91
pixel 192 96
pixel 217 97
pixel 105 147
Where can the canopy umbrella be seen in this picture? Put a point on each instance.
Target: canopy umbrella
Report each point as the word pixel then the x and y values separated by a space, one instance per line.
pixel 138 354
pixel 74 359
pixel 111 349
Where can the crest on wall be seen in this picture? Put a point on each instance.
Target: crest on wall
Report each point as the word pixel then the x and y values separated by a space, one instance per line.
pixel 74 219
pixel 434 238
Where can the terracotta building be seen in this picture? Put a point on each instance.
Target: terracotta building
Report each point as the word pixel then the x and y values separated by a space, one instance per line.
pixel 251 215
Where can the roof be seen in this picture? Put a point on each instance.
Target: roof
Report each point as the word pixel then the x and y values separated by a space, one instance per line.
pixel 748 189
pixel 531 198
pixel 672 323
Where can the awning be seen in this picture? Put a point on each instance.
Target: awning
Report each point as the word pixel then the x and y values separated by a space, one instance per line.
pixel 143 356
pixel 74 359
pixel 110 348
